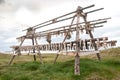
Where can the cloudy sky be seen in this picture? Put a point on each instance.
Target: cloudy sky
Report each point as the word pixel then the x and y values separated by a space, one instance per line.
pixel 16 15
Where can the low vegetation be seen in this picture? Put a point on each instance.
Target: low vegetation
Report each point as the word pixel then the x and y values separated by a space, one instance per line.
pixel 24 68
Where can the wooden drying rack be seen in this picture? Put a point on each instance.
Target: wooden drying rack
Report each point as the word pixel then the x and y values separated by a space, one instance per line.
pixel 78 45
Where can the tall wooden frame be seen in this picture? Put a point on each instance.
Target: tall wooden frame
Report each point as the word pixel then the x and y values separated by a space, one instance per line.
pixel 78 14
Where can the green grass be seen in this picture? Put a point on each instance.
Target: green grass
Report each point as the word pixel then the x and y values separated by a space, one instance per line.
pixel 24 68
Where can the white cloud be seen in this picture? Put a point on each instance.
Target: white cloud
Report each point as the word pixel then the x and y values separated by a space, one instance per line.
pixel 112 33
pixel 10 40
pixel 24 16
pixel 1 37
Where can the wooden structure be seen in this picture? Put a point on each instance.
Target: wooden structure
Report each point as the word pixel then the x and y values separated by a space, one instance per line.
pixel 76 46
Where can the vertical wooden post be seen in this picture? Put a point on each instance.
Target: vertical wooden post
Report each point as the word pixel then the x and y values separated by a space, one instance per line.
pixel 38 51
pixel 33 47
pixel 77 58
pixel 77 63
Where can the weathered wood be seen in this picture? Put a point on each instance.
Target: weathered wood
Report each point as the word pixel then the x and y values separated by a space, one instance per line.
pixel 77 47
pixel 67 26
pixel 77 65
pixel 56 58
pixel 39 53
pixel 77 58
pixel 93 42
pixel 64 40
pixel 11 60
pixel 91 36
pixel 39 25
pixel 72 29
pixel 18 51
pixel 63 47
pixel 94 10
pixel 33 49
pixel 61 31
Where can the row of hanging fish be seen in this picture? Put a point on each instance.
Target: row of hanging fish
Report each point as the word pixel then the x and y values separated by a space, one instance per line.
pixel 64 31
pixel 68 31
pixel 86 44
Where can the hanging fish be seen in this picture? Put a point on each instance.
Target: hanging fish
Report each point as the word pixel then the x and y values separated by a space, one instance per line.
pixel 68 35
pixel 48 39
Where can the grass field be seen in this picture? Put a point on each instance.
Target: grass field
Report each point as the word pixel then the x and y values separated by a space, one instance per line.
pixel 24 68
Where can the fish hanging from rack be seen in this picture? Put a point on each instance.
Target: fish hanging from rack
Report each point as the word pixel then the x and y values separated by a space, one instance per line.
pixel 81 29
pixel 98 43
pixel 104 42
pixel 91 44
pixel 88 27
pixel 68 35
pixel 48 38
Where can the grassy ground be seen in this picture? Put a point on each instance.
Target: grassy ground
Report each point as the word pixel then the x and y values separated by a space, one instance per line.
pixel 24 68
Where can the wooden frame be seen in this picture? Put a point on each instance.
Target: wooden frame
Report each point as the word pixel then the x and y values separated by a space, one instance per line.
pixel 77 45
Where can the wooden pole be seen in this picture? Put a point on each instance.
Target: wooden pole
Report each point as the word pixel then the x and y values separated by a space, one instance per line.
pixel 33 47
pixel 77 65
pixel 104 19
pixel 94 44
pixel 64 39
pixel 91 36
pixel 56 58
pixel 39 51
pixel 39 25
pixel 11 60
pixel 77 58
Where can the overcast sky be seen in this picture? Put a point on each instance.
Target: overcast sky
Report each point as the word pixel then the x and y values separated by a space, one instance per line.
pixel 16 15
